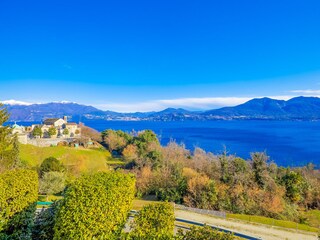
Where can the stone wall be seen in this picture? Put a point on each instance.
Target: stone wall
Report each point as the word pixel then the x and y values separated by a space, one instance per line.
pixel 47 142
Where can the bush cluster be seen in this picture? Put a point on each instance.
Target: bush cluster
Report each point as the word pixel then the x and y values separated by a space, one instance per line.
pixel 18 197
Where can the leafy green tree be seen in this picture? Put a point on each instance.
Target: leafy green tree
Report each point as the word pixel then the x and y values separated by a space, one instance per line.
pixel 170 183
pixel 37 132
pixel 65 131
pixel 9 146
pixel 115 140
pixel 154 221
pixel 224 166
pixel 52 131
pixel 18 197
pixel 51 164
pixel 95 206
pixel 259 166
pixel 203 233
pixel 293 183
pixel 52 183
pixel 149 149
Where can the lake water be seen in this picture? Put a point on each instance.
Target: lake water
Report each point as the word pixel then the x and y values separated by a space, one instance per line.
pixel 288 143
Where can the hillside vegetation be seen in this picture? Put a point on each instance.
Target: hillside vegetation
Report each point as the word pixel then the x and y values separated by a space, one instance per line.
pixel 224 182
pixel 77 160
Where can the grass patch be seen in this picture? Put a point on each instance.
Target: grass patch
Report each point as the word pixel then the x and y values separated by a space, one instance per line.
pixel 138 204
pixel 115 162
pixel 49 198
pixel 313 218
pixel 273 222
pixel 83 160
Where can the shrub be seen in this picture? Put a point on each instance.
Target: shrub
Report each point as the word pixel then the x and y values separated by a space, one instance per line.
pixel 201 192
pixel 37 132
pixel 65 131
pixel 52 183
pixel 203 233
pixel 18 197
pixel 52 131
pixel 154 221
pixel 51 164
pixel 95 207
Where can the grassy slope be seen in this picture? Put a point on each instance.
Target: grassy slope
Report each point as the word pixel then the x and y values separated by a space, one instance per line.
pixel 86 160
pixel 273 222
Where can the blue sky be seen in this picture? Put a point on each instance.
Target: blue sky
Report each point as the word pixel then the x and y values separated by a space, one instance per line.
pixel 148 55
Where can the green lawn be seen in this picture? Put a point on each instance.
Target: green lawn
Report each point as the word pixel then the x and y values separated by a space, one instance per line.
pixel 273 222
pixel 84 160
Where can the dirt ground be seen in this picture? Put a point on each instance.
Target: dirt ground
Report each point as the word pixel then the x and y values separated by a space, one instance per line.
pixel 257 230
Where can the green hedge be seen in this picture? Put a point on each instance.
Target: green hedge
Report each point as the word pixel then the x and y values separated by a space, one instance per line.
pixel 154 221
pixel 203 233
pixel 95 207
pixel 18 197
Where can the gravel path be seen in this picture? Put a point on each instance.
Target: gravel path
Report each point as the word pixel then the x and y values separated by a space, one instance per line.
pixel 257 230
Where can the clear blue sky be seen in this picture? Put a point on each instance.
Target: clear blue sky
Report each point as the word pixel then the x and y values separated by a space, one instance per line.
pixel 140 55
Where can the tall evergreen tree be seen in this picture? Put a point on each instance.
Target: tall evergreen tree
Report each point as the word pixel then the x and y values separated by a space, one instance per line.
pixel 9 146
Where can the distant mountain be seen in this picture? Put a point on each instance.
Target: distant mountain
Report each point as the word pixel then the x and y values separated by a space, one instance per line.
pixel 267 108
pixel 37 112
pixel 299 108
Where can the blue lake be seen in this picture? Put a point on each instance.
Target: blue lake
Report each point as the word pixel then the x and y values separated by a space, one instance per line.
pixel 288 143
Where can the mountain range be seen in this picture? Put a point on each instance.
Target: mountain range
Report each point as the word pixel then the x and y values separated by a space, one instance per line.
pixel 298 108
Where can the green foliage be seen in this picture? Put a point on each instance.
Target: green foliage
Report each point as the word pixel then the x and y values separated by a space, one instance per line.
pixel 171 185
pixel 44 223
pixel 95 206
pixel 293 183
pixel 142 150
pixel 52 183
pixel 115 140
pixel 148 148
pixel 144 139
pixel 37 132
pixel 203 233
pixel 154 221
pixel 259 166
pixel 52 131
pixel 51 164
pixel 225 176
pixel 18 196
pixel 65 131
pixel 9 147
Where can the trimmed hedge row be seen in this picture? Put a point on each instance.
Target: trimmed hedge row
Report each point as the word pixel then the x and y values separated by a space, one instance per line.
pixel 154 221
pixel 95 207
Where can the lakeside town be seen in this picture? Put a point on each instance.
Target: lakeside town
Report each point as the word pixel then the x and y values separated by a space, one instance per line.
pixel 49 133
